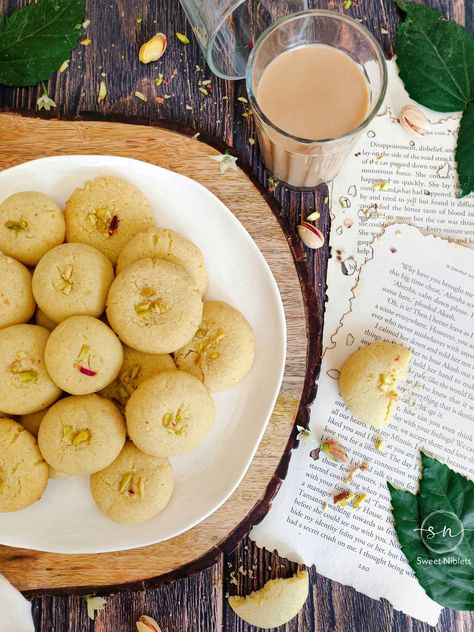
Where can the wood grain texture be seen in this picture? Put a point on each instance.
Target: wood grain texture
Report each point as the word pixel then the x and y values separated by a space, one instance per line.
pixel 195 604
pixel 200 546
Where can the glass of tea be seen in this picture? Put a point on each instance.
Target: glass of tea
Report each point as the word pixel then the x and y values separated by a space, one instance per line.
pixel 227 29
pixel 315 80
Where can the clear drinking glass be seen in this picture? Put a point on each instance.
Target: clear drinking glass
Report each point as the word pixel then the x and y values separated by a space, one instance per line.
pixel 304 163
pixel 227 29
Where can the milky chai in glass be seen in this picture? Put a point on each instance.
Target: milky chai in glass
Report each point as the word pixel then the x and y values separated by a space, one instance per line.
pixel 315 81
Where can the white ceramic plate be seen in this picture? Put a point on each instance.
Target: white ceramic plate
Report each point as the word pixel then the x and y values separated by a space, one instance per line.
pixel 66 519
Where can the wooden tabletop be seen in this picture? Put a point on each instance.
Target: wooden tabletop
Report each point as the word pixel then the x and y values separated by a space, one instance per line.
pixel 198 603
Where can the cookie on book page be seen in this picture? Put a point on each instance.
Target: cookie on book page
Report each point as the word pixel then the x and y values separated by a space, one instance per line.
pixel 368 381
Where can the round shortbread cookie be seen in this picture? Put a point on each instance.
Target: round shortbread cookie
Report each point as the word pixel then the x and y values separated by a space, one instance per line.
pixel 134 488
pixel 368 381
pixel 43 321
pixel 30 225
pixel 154 306
pixel 16 298
pixel 222 350
pixel 83 355
pixel 105 213
pixel 23 472
pixel 72 279
pixel 136 368
pixel 25 384
pixel 33 421
pixel 164 243
pixel 81 434
pixel 170 413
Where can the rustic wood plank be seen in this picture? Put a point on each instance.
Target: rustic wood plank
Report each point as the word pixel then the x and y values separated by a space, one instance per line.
pixel 331 606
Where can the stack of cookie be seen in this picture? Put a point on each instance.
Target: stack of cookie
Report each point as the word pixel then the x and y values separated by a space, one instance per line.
pixel 114 376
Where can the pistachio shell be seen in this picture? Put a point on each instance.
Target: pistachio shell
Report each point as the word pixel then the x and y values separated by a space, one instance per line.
pixel 414 121
pixel 310 235
pixel 147 624
pixel 153 49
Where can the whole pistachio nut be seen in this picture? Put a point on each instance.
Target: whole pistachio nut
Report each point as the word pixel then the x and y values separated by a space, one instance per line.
pixel 153 49
pixel 311 236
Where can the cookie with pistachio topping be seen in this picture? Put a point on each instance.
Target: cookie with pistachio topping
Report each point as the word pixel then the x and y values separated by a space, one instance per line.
pixel 23 472
pixel 25 384
pixel 105 213
pixel 81 434
pixel 30 225
pixel 136 368
pixel 16 298
pixel 164 243
pixel 154 306
pixel 134 488
pixel 170 413
pixel 368 381
pixel 83 355
pixel 222 350
pixel 72 279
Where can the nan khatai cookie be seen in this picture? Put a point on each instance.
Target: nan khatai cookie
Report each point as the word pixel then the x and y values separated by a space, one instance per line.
pixel 154 306
pixel 163 243
pixel 30 225
pixel 43 321
pixel 170 413
pixel 72 279
pixel 25 384
pixel 106 213
pixel 134 488
pixel 368 381
pixel 33 421
pixel 136 367
pixel 222 350
pixel 16 298
pixel 81 435
pixel 23 472
pixel 83 355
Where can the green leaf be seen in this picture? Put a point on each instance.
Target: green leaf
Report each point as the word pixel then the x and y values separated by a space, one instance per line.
pixel 435 58
pixel 465 150
pixel 35 40
pixel 445 499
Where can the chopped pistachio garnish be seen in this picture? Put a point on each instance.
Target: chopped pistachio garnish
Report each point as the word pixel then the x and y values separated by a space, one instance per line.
pixel 102 91
pixel 242 99
pixel 86 42
pixel 141 487
pixel 64 66
pixel 125 482
pixel 152 303
pixel 182 38
pixel 16 226
pixel 141 96
pixel 81 437
pixel 324 506
pixel 379 443
pixel 68 432
pixel 28 376
pixel 159 80
pixel 342 498
pixel 334 450
pixel 175 423
pixel 359 500
pixel 313 216
pixel 204 91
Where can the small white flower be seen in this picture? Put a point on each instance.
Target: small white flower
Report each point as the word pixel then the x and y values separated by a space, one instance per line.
pixel 302 432
pixel 94 605
pixel 44 102
pixel 226 161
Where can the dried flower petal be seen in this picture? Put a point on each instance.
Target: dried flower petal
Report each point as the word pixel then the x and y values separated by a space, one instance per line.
pixel 334 450
pixel 94 605
pixel 85 371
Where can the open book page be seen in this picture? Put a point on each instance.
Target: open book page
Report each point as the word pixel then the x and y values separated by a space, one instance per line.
pixel 392 176
pixel 419 291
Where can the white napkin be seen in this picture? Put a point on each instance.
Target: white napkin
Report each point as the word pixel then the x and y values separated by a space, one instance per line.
pixel 15 610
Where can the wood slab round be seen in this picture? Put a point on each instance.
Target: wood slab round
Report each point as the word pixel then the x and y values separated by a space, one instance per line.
pixel 28 138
